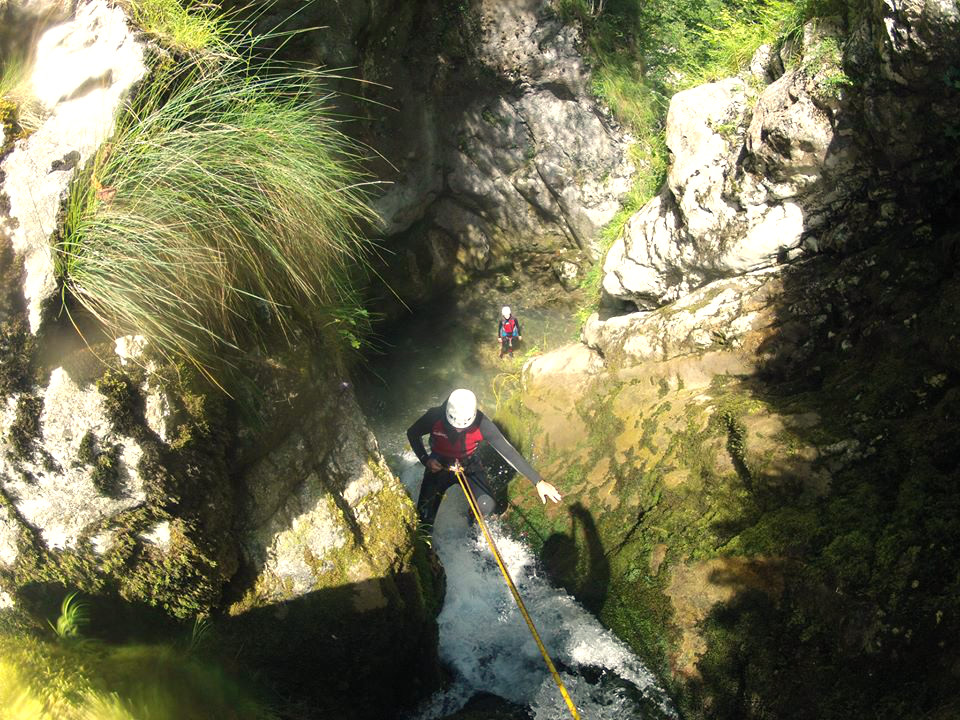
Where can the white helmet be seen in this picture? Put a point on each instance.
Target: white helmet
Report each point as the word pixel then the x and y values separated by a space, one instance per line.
pixel 505 311
pixel 461 409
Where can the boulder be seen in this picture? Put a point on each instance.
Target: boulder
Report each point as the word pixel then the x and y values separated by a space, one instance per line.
pixel 752 176
pixel 83 69
pixel 718 315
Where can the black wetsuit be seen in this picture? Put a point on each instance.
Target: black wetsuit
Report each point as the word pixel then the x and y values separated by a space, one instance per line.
pixel 435 484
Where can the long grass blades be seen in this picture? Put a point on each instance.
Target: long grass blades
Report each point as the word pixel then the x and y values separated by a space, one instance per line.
pixel 225 210
pixel 73 616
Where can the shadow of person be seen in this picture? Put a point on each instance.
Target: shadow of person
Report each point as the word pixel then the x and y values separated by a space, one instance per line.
pixel 576 560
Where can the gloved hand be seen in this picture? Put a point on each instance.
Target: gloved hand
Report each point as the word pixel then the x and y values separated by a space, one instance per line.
pixel 546 490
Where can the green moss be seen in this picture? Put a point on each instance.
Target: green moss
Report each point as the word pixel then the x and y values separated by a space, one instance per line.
pixel 106 471
pixel 181 579
pixel 517 423
pixel 16 358
pixel 122 402
pixel 26 430
pixel 9 119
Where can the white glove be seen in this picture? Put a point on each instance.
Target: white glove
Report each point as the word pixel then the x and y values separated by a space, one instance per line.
pixel 546 490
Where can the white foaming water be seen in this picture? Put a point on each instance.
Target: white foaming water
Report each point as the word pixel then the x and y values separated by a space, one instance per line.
pixel 487 645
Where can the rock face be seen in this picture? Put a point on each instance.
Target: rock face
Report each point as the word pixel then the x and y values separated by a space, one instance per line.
pixel 759 177
pixel 719 315
pixel 293 528
pixel 711 454
pixel 124 477
pixel 496 146
pixel 327 537
pixel 711 444
pixel 83 69
pixel 48 475
pixel 528 157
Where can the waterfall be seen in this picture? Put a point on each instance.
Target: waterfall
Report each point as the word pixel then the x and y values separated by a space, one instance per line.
pixel 486 644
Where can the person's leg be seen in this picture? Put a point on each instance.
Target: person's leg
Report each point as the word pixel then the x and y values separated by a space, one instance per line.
pixel 431 494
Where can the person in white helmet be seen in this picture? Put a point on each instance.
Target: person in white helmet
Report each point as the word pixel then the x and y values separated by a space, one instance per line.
pixel 456 429
pixel 508 331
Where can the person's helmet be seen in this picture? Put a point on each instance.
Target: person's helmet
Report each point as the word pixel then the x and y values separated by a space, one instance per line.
pixel 461 408
pixel 505 311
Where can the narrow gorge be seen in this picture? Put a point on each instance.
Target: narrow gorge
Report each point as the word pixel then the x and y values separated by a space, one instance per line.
pixel 244 247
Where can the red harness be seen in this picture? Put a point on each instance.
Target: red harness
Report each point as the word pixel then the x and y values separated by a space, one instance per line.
pixel 460 446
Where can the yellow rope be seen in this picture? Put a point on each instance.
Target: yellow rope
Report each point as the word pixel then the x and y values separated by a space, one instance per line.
pixel 472 500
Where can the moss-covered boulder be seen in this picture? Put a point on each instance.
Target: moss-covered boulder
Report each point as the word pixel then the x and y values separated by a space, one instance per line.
pixel 769 517
pixel 276 518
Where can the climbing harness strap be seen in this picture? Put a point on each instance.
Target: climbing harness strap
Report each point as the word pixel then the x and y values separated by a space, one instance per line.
pixel 472 500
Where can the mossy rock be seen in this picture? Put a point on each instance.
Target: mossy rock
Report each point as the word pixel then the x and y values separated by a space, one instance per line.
pixel 755 538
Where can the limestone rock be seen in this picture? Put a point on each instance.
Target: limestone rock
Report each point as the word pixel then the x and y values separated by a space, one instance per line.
pixel 157 410
pixel 716 316
pixel 83 70
pixel 760 179
pixel 309 509
pixel 573 360
pixel 50 484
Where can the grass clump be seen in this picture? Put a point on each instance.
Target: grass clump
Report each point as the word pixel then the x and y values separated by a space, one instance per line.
pixel 226 211
pixel 89 680
pixel 73 616
pixel 190 27
pixel 20 112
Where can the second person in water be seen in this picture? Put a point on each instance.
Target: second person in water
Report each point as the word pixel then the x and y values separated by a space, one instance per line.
pixel 456 429
pixel 508 331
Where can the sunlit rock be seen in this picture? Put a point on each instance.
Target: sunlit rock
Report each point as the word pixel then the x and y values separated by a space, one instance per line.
pixel 50 484
pixel 83 70
pixel 753 176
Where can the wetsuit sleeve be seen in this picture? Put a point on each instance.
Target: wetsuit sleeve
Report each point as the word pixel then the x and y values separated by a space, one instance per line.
pixel 517 327
pixel 422 426
pixel 492 434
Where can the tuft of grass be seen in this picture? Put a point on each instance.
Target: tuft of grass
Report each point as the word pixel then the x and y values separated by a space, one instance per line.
pixel 40 680
pixel 73 616
pixel 191 27
pixel 20 112
pixel 226 210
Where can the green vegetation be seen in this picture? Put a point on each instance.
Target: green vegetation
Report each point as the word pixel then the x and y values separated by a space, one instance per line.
pixel 20 113
pixel 73 616
pixel 644 52
pixel 192 27
pixel 70 677
pixel 226 212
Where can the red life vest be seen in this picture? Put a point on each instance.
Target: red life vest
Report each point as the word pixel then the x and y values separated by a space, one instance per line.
pixel 459 447
pixel 510 326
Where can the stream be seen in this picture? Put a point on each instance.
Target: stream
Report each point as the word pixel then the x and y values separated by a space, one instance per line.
pixel 484 641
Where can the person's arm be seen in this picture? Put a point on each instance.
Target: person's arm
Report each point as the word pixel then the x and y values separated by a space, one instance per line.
pixel 422 426
pixel 519 331
pixel 492 434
